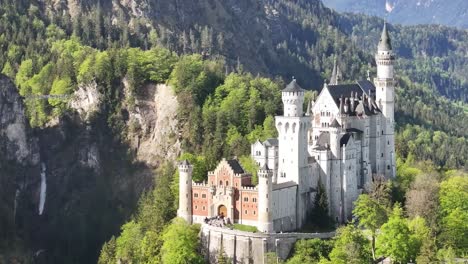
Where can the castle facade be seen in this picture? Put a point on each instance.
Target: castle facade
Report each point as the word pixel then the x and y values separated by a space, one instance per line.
pixel 343 140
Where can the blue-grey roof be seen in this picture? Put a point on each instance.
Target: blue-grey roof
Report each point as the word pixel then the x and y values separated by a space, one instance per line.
pixel 271 142
pixel 293 87
pixel 385 43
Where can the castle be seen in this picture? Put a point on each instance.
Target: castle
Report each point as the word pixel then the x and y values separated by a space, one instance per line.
pixel 343 140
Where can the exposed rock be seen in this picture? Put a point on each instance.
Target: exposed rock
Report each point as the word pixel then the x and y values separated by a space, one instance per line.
pixel 86 100
pixel 153 125
pixel 15 139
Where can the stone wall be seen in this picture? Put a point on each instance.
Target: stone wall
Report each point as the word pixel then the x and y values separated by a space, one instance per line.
pixel 245 247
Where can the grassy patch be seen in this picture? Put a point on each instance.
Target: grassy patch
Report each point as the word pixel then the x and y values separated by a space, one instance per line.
pixel 247 228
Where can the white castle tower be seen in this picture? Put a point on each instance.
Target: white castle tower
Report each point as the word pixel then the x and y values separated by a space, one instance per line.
pixel 185 191
pixel 265 189
pixel 385 97
pixel 292 134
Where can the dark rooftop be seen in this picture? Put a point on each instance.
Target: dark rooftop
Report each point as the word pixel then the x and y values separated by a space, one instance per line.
pixel 293 87
pixel 264 167
pixel 235 166
pixel 385 43
pixel 184 163
pixel 345 139
pixel 335 123
pixel 271 142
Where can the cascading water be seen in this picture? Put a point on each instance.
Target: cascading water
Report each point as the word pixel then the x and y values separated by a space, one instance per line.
pixel 16 203
pixel 42 198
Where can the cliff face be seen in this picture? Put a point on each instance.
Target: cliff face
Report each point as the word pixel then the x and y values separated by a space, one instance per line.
pixel 66 188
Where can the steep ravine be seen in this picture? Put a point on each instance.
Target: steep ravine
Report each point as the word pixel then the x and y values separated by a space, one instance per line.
pixel 89 182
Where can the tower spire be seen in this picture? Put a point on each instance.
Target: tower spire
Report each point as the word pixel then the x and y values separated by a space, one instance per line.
pixel 385 43
pixel 336 73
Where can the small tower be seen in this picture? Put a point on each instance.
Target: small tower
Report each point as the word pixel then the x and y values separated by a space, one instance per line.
pixel 185 191
pixel 385 100
pixel 293 99
pixel 265 222
pixel 335 130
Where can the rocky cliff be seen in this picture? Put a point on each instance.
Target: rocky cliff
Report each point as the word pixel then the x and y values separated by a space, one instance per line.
pixel 74 182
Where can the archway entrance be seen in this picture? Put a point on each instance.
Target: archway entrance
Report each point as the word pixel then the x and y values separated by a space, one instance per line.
pixel 222 211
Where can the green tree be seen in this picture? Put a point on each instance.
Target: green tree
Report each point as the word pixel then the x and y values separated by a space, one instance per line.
pixel 108 252
pixel 453 195
pixel 60 87
pixel 250 166
pixel 371 215
pixel 128 243
pixel 395 239
pixel 320 211
pixel 8 70
pixel 351 246
pixel 310 251
pixel 180 243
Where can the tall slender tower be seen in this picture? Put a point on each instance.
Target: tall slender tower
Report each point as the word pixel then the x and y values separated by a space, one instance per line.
pixel 185 191
pixel 385 97
pixel 292 134
pixel 265 177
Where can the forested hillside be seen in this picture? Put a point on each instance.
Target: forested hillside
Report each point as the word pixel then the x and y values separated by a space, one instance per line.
pixel 226 61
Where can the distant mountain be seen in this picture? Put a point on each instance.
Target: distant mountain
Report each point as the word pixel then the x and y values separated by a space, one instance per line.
pixel 409 12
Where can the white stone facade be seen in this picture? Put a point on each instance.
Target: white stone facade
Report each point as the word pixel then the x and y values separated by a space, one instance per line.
pixel 343 140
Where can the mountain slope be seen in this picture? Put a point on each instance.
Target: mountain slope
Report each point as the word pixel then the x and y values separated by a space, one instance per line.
pixel 408 12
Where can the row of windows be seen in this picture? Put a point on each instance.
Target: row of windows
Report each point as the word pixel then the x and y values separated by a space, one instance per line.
pixel 246 212
pixel 325 113
pixel 325 124
pixel 246 199
pixel 203 208
pixel 196 195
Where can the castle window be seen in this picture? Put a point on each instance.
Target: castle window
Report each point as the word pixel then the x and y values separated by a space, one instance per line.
pixel 203 208
pixel 388 167
pixel 267 209
pixel 245 212
pixel 246 199
pixel 196 207
pixel 254 200
pixel 195 195
pixel 388 142
pixel 381 155
pixel 220 182
pixel 382 132
pixel 227 183
pixel 254 212
pixel 203 196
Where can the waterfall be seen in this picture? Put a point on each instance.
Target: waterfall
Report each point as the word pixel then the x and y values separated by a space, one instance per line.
pixel 16 204
pixel 43 188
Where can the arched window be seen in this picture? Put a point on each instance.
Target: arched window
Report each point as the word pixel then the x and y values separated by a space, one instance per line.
pixel 227 183
pixel 220 182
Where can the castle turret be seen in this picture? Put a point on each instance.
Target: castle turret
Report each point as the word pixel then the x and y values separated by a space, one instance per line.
pixel 293 99
pixel 265 219
pixel 185 191
pixel 292 134
pixel 335 130
pixel 385 99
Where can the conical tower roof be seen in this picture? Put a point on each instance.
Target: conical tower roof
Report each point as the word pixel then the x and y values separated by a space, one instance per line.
pixel 293 87
pixel 385 43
